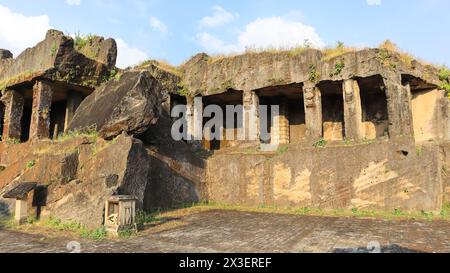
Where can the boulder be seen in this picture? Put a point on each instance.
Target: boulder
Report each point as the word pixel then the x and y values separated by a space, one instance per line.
pixel 5 54
pixel 77 176
pixel 130 104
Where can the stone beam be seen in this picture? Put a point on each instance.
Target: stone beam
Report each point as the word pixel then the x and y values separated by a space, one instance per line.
pixel 399 106
pixel 73 101
pixel 352 110
pixel 40 117
pixel 12 125
pixel 313 110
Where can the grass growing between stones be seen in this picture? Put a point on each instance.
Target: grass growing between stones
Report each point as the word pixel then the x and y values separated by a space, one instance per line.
pixel 396 214
pixel 53 227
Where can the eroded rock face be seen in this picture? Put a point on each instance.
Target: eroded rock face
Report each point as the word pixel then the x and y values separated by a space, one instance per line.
pixel 78 175
pixel 129 105
pixel 57 58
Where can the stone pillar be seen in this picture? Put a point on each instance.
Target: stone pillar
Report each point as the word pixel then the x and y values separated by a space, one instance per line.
pixel 12 125
pixel 194 116
pixel 352 110
pixel 198 119
pixel 313 111
pixel 40 117
pixel 251 116
pixel 190 118
pixel 73 101
pixel 399 106
pixel 21 211
pixel 280 126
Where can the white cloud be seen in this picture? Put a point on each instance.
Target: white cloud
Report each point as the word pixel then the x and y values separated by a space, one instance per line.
pixel 220 17
pixel 17 31
pixel 128 56
pixel 373 2
pixel 272 32
pixel 73 2
pixel 214 45
pixel 158 25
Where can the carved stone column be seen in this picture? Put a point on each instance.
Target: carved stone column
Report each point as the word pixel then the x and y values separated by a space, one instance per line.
pixel 352 110
pixel 313 110
pixel 40 117
pixel 13 112
pixel 251 116
pixel 399 106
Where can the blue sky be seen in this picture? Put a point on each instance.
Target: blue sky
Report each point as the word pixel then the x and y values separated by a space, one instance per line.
pixel 174 30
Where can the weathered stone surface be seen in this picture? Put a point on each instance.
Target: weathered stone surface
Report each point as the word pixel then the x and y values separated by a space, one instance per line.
pixel 381 176
pixel 60 61
pixel 206 76
pixel 78 174
pixel 129 105
pixel 177 174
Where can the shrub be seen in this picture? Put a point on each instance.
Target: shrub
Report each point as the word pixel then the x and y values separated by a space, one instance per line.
pixel 321 143
pixel 444 73
pixel 31 164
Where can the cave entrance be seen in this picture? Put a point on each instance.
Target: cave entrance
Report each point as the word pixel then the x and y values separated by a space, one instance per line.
pixel 232 125
pixel 332 110
pixel 425 108
pixel 57 118
pixel 291 118
pixel 26 119
pixel 374 107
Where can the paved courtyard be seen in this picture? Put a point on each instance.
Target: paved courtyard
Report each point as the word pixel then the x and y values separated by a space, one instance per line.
pixel 232 231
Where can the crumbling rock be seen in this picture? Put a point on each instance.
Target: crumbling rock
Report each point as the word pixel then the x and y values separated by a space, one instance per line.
pixel 130 104
pixel 78 177
pixel 5 54
pixel 56 58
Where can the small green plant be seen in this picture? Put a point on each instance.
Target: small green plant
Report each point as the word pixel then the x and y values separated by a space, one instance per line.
pixel 313 75
pixel 10 141
pixel 444 73
pixel 348 141
pixel 31 220
pixel 96 235
pixel 339 67
pixel 398 213
pixel 182 90
pixel 54 49
pixel 419 150
pixel 282 149
pixel 428 215
pixel 31 164
pixel 126 233
pixel 321 143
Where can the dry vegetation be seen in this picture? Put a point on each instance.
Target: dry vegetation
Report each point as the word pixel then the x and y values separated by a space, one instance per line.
pixel 161 64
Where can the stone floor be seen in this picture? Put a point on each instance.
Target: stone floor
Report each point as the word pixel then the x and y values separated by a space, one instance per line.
pixel 230 231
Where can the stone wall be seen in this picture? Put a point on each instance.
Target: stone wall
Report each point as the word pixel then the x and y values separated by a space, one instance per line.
pixel 382 176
